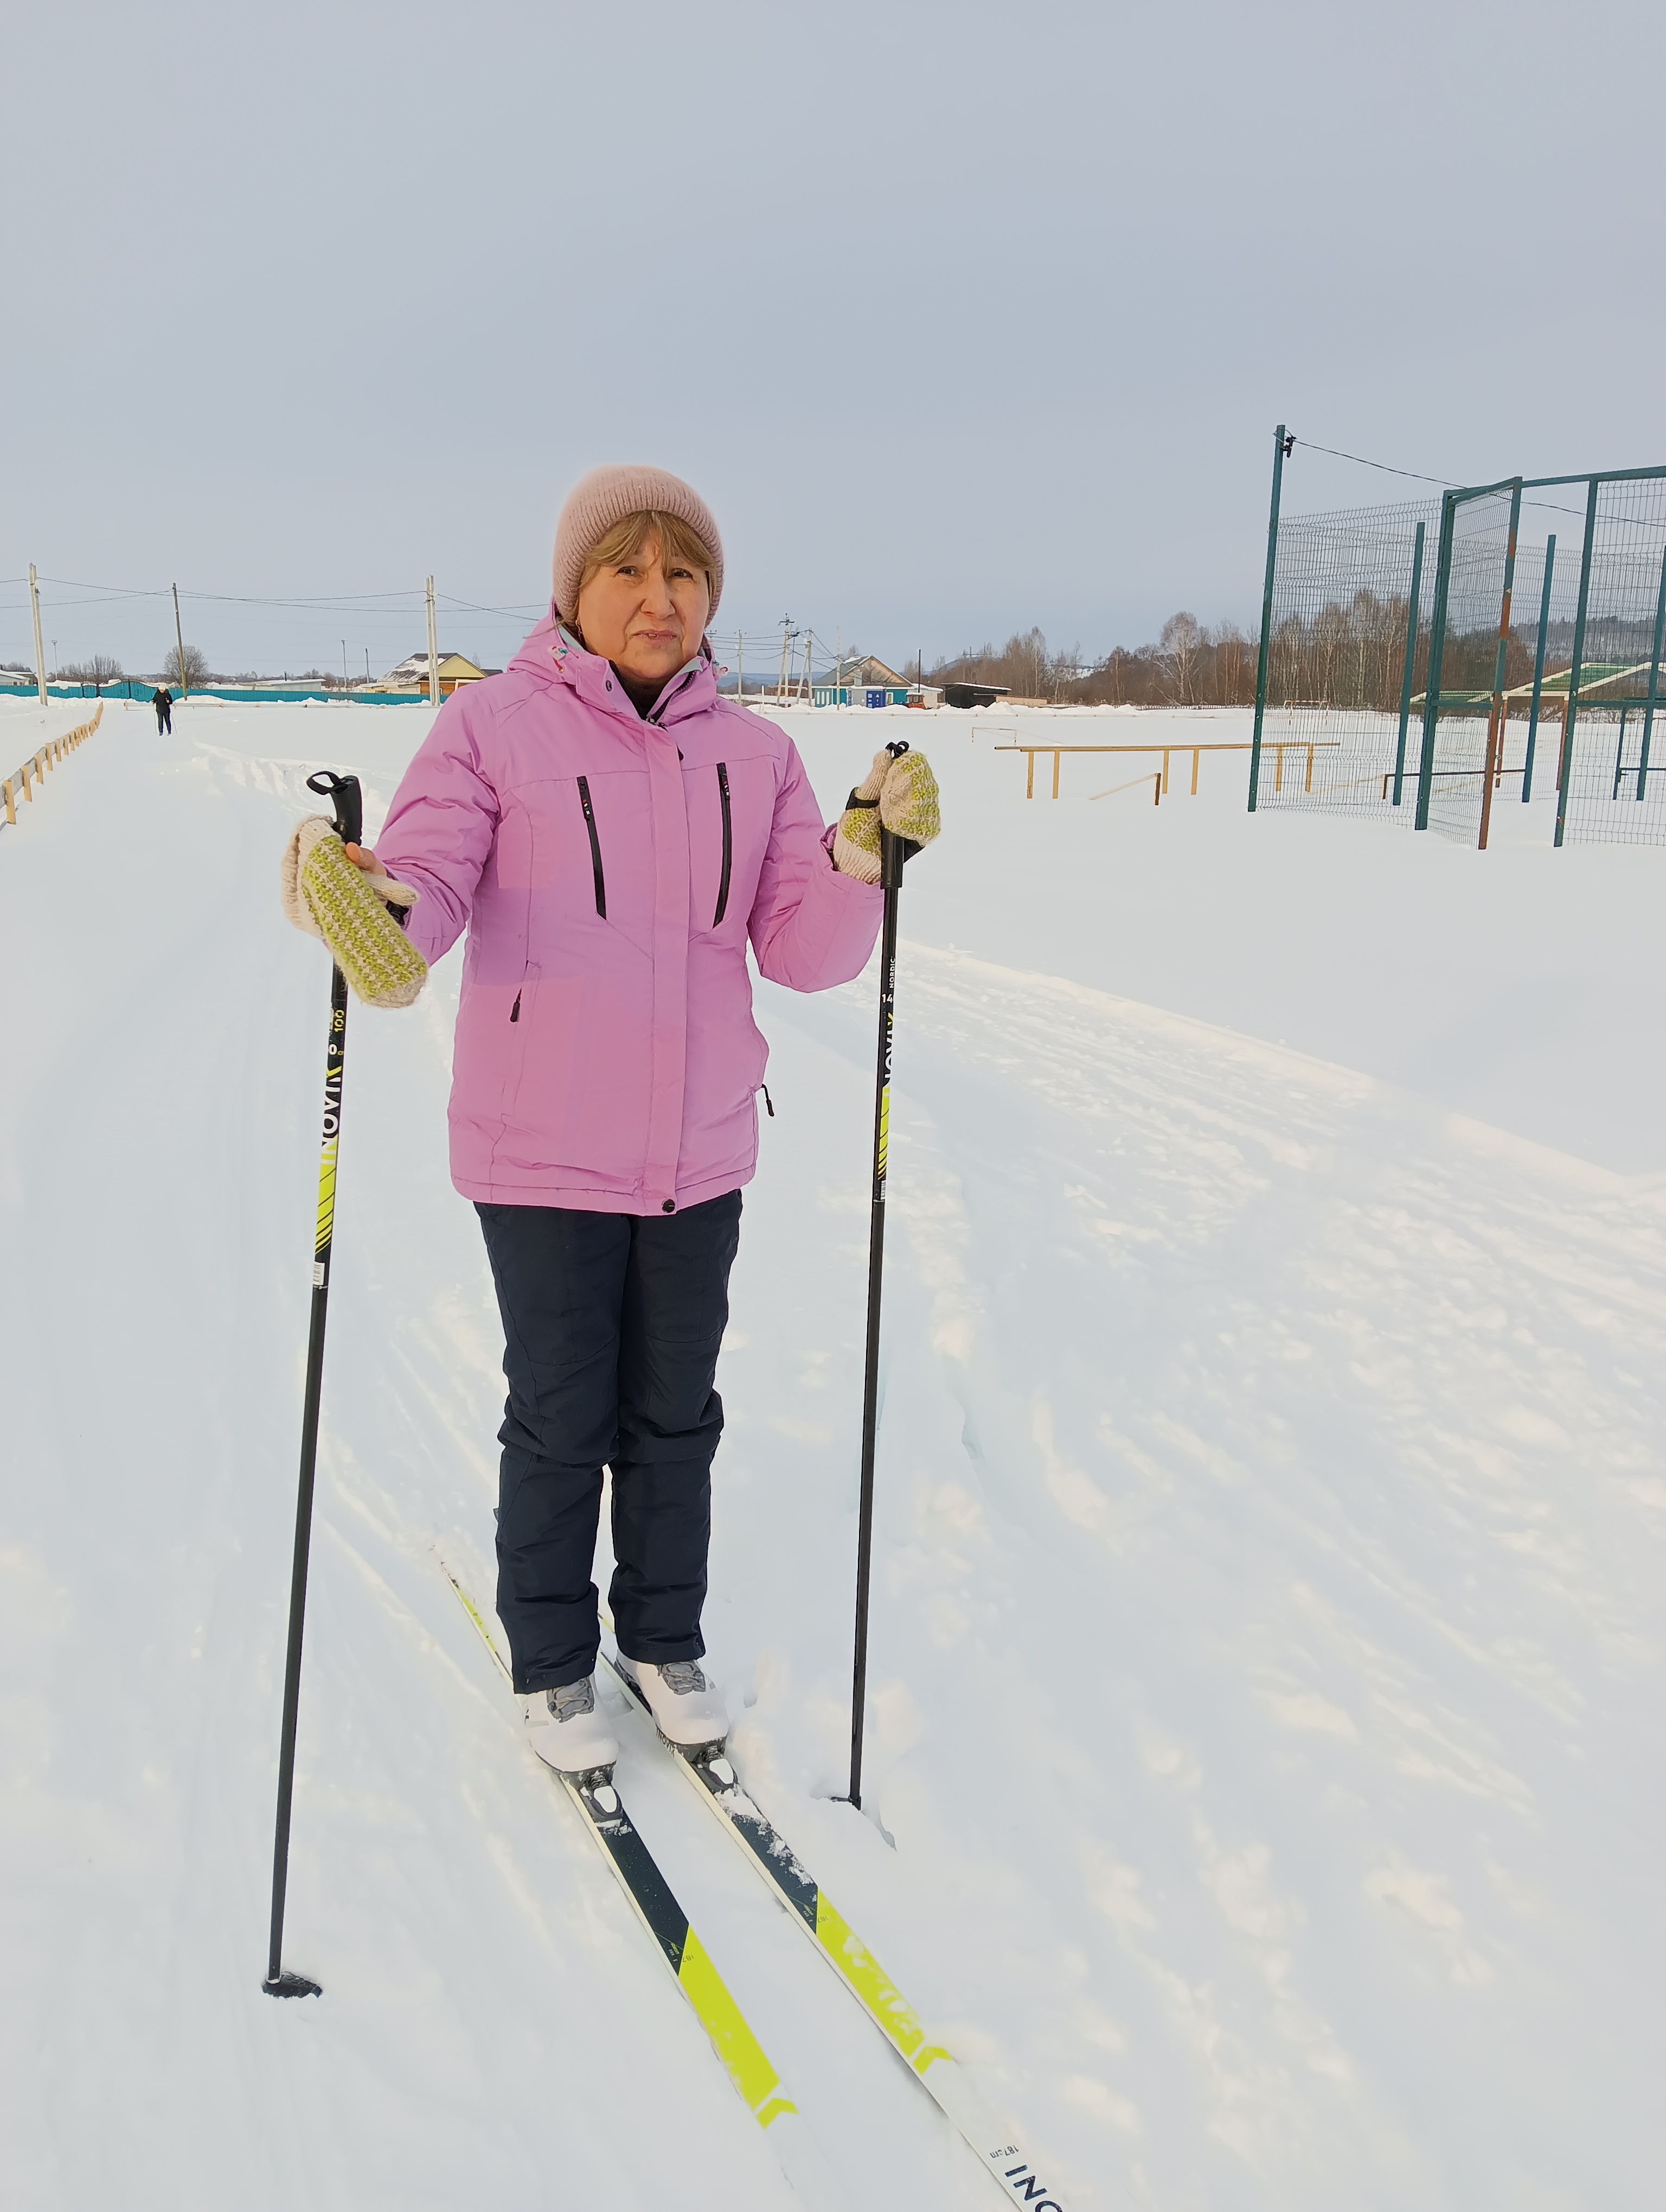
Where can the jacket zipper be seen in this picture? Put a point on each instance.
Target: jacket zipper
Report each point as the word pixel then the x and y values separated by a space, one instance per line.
pixel 595 846
pixel 728 842
pixel 514 1011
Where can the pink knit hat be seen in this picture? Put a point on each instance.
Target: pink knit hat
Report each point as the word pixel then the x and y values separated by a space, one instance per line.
pixel 606 496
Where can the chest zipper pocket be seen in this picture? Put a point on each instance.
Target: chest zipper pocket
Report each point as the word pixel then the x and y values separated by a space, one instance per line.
pixel 595 846
pixel 728 842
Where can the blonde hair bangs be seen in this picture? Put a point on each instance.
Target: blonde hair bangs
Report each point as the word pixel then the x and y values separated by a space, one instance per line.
pixel 677 541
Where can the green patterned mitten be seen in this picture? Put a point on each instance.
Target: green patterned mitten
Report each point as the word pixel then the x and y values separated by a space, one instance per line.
pixel 908 800
pixel 343 906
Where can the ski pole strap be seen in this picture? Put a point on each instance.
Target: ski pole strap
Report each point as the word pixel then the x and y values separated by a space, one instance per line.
pixel 856 800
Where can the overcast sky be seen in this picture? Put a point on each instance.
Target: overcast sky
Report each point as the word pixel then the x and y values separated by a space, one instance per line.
pixel 961 317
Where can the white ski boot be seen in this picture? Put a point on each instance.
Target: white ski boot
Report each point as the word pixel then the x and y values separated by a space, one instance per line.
pixel 688 1710
pixel 566 1731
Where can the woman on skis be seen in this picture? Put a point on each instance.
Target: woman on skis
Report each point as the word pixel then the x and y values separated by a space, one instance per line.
pixel 611 834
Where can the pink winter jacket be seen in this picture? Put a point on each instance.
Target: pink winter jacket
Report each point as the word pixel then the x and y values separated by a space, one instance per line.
pixel 609 871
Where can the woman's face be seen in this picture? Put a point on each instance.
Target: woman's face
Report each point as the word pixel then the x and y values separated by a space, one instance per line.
pixel 645 616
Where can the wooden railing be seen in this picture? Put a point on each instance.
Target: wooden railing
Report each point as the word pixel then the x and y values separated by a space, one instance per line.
pixel 1279 746
pixel 52 754
pixel 1032 747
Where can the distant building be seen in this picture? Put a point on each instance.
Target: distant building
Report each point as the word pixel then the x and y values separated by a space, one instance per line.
pixel 455 668
pixel 869 673
pixel 864 680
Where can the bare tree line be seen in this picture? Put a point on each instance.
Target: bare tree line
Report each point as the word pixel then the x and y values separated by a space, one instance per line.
pixel 1192 664
pixel 1345 654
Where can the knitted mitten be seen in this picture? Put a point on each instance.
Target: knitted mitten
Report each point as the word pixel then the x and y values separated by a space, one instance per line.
pixel 856 840
pixel 326 896
pixel 900 793
pixel 907 801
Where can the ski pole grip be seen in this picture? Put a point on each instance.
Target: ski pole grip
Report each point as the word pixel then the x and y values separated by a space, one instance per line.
pixel 346 802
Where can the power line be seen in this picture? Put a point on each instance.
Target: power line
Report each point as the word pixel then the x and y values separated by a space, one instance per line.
pixel 1447 483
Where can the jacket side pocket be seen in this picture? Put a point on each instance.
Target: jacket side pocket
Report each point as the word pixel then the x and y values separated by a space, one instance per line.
pixel 595 846
pixel 728 842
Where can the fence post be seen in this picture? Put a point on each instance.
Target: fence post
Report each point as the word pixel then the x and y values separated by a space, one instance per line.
pixel 1281 446
pixel 1538 671
pixel 1411 664
pixel 1569 713
pixel 1426 768
pixel 1654 685
pixel 1620 751
pixel 11 811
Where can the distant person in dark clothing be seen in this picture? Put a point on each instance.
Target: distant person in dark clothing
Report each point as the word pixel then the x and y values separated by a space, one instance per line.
pixel 162 701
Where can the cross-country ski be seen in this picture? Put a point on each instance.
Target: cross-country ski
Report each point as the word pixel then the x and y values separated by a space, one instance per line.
pixel 759 2086
pixel 715 1783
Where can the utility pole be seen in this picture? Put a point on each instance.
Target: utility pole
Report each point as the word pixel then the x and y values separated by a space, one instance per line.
pixel 740 666
pixel 344 663
pixel 809 678
pixel 433 650
pixel 838 662
pixel 367 668
pixel 787 635
pixel 179 640
pixel 39 657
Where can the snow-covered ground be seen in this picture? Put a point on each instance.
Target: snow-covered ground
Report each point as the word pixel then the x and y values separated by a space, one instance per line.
pixel 1271 1447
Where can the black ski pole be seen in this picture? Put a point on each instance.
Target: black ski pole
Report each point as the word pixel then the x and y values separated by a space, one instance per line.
pixel 893 851
pixel 343 791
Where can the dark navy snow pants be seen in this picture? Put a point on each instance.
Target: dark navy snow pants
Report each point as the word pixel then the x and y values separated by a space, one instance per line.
pixel 612 1324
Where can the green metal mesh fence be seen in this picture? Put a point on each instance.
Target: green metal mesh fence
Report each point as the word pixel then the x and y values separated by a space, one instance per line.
pixel 1542 606
pixel 1343 582
pixel 1459 751
pixel 1613 789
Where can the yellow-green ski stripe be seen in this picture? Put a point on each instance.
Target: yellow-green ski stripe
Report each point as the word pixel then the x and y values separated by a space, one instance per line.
pixel 733 2040
pixel 878 1993
pixel 742 2056
pixel 326 1193
pixel 475 1615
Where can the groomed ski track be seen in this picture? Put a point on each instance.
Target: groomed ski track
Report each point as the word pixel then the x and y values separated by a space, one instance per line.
pixel 1274 1451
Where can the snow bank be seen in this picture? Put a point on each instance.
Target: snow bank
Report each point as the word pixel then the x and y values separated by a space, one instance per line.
pixel 1270 1446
